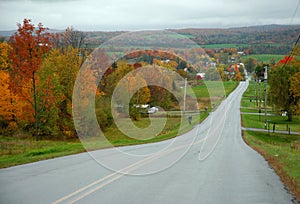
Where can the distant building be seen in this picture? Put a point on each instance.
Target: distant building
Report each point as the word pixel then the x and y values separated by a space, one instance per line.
pixel 200 75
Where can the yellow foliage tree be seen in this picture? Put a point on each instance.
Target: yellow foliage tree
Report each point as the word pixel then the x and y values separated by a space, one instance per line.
pixel 10 106
pixel 4 52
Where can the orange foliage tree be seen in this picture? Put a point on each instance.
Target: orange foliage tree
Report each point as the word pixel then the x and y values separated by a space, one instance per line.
pixel 5 48
pixel 10 107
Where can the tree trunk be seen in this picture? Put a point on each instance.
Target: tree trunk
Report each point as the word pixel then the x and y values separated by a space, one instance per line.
pixel 290 116
pixel 35 107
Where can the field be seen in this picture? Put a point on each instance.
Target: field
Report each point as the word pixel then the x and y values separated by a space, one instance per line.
pixel 212 93
pixel 214 46
pixel 264 57
pixel 214 89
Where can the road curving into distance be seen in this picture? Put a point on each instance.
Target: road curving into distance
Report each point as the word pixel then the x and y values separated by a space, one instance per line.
pixel 217 168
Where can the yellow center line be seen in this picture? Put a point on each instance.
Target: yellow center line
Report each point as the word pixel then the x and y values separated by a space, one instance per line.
pixel 115 176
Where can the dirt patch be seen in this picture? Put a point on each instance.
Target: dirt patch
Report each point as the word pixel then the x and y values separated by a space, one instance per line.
pixel 285 178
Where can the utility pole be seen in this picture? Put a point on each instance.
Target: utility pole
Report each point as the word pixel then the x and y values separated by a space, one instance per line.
pixel 265 91
pixel 259 93
pixel 184 97
pixel 256 94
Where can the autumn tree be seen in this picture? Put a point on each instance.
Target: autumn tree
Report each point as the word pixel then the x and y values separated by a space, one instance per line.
pixel 295 91
pixel 129 78
pixel 49 93
pixel 57 78
pixel 10 105
pixel 238 76
pixel 282 89
pixel 29 44
pixel 223 75
pixel 71 37
pixel 5 48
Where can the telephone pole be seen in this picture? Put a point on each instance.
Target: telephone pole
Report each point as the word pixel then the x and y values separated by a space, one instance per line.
pixel 184 97
pixel 265 92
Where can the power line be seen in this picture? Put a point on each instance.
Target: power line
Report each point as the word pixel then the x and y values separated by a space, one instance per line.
pixel 288 59
pixel 297 7
pixel 293 49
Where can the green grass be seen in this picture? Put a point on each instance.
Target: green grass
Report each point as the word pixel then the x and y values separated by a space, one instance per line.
pixel 249 103
pixel 214 89
pixel 170 130
pixel 16 151
pixel 212 46
pixel 283 151
pixel 264 57
pixel 253 121
pixel 19 151
pixel 212 92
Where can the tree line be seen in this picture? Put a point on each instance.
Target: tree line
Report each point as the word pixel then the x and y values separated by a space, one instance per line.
pixel 38 72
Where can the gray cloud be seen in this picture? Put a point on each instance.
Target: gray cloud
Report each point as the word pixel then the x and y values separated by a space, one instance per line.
pixel 154 14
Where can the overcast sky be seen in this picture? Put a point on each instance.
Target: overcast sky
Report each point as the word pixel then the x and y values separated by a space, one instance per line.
pixel 148 14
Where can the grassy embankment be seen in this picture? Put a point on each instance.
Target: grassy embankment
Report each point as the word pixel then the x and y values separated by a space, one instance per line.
pixel 282 151
pixel 18 150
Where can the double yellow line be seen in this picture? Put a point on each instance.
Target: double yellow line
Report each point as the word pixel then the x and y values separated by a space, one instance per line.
pixel 102 182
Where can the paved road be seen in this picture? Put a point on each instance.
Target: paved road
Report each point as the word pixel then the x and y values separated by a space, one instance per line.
pixel 218 169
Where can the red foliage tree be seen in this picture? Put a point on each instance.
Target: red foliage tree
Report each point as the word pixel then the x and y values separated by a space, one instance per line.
pixel 286 59
pixel 29 44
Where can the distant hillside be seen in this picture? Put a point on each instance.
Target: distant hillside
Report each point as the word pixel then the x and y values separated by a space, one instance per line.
pixel 266 39
pixel 8 33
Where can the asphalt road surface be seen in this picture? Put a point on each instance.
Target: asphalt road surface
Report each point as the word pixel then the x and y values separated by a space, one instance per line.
pixel 210 164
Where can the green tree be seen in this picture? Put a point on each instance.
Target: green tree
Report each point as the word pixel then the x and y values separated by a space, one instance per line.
pixel 58 74
pixel 280 91
pixel 295 90
pixel 212 74
pixel 250 64
pixel 49 97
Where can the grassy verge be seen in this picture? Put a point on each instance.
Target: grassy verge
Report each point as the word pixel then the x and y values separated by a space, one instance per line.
pixel 281 123
pixel 282 152
pixel 15 151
